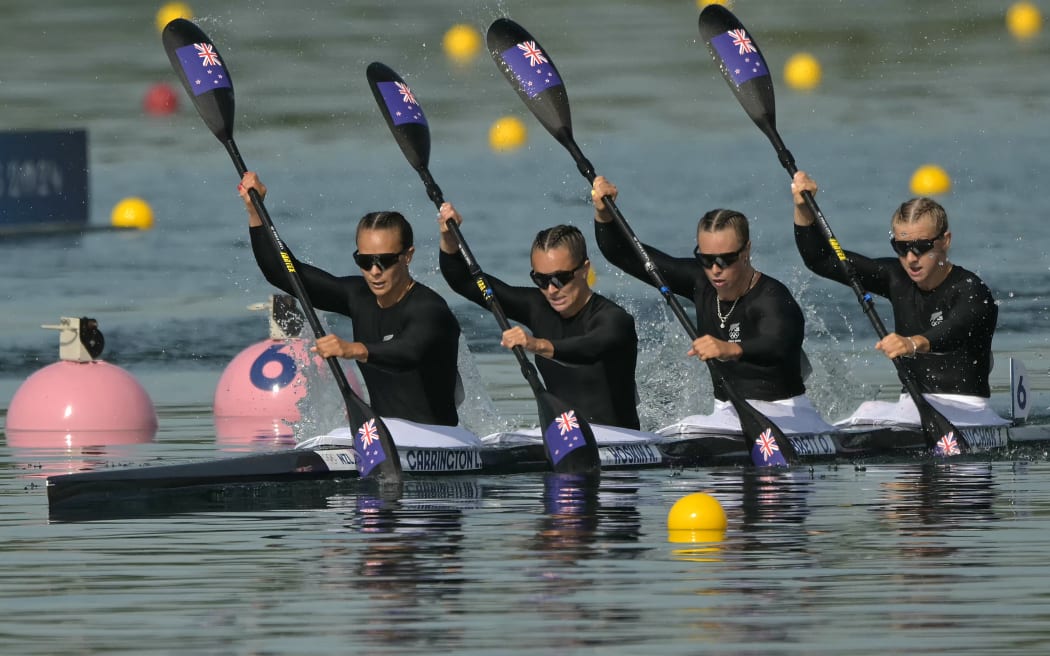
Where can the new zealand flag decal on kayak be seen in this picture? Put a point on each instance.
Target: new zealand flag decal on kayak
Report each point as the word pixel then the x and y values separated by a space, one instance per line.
pixel 532 68
pixel 739 56
pixel 766 445
pixel 367 444
pixel 947 445
pixel 563 436
pixel 201 64
pixel 401 103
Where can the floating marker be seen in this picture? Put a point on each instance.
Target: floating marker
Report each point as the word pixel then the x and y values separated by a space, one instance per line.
pixel 461 43
pixel 160 100
pixel 696 517
pixel 1023 20
pixel 132 212
pixel 930 180
pixel 802 72
pixel 508 133
pixel 80 400
pixel 170 12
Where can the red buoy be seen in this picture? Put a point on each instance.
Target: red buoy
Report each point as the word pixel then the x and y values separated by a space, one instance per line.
pixel 160 100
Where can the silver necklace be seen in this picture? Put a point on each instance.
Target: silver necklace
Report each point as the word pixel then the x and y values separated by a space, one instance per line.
pixel 718 302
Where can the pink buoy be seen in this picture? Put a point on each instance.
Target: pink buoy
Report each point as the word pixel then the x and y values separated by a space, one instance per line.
pixel 258 395
pixel 80 401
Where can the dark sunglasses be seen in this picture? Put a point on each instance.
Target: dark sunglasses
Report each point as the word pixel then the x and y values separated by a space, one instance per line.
pixel 558 278
pixel 917 246
pixel 382 260
pixel 723 260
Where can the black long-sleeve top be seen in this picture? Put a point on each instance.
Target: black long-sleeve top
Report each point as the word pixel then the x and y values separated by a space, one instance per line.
pixel 595 351
pixel 413 346
pixel 958 317
pixel 766 322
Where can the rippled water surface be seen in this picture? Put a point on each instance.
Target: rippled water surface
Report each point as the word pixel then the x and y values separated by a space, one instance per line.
pixel 875 558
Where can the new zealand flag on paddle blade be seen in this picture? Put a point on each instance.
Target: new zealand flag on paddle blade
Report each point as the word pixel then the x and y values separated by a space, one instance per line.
pixel 401 103
pixel 532 68
pixel 766 447
pixel 739 56
pixel 367 444
pixel 202 67
pixel 563 436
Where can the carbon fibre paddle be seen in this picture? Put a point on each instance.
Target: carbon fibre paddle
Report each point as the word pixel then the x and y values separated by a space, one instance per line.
pixel 738 57
pixel 568 439
pixel 531 71
pixel 198 64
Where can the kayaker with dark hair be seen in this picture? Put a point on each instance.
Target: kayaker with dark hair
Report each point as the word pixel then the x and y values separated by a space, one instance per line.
pixel 586 346
pixel 406 340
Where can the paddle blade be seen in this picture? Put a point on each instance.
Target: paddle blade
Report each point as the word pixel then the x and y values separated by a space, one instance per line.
pixel 567 437
pixel 735 51
pixel 532 73
pixel 944 438
pixel 203 73
pixel 771 447
pixel 373 443
pixel 402 113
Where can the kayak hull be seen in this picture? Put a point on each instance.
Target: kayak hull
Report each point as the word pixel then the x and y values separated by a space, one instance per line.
pixel 506 454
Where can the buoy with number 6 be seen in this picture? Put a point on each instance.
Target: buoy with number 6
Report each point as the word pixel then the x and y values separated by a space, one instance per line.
pixel 258 396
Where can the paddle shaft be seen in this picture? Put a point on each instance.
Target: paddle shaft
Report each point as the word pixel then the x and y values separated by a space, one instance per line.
pixel 527 368
pixel 293 276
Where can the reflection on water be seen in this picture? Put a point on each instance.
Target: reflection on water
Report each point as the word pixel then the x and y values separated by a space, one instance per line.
pixel 937 496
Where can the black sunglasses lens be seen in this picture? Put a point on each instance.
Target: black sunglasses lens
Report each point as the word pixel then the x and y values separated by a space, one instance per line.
pixel 723 260
pixel 558 278
pixel 917 246
pixel 383 260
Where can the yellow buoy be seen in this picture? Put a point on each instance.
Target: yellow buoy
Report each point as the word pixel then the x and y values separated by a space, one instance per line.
pixel 802 71
pixel 170 12
pixel 728 4
pixel 461 43
pixel 592 277
pixel 507 133
pixel 132 212
pixel 929 180
pixel 1023 20
pixel 696 512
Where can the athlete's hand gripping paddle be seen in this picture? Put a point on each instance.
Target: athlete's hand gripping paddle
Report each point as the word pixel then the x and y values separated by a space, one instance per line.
pixel 198 64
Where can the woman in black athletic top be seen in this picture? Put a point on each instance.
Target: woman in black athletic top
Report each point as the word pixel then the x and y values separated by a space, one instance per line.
pixel 406 340
pixel 944 315
pixel 745 318
pixel 586 345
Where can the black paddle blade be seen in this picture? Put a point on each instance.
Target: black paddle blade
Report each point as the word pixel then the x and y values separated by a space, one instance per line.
pixel 530 70
pixel 197 62
pixel 771 448
pixel 567 437
pixel 402 113
pixel 947 439
pixel 742 65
